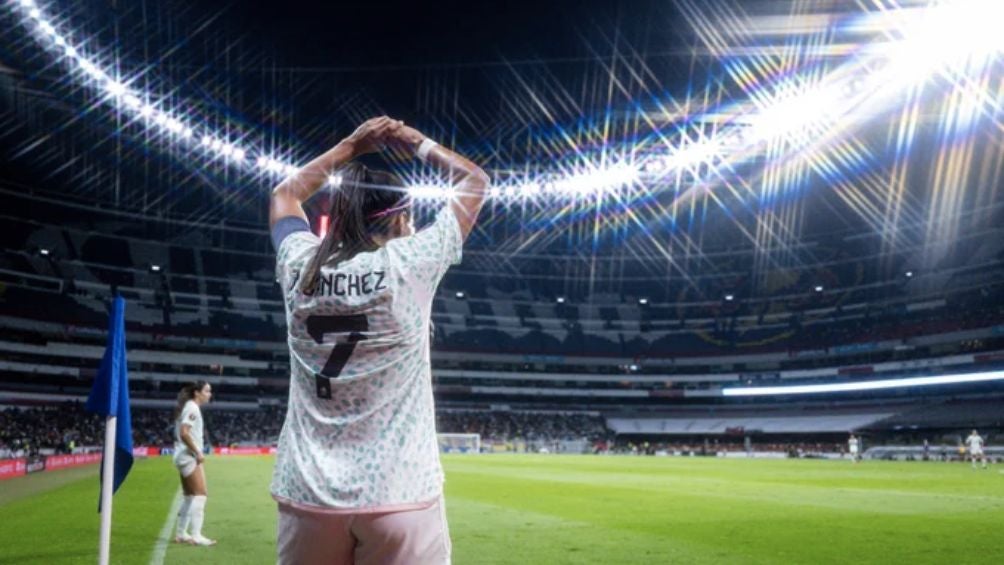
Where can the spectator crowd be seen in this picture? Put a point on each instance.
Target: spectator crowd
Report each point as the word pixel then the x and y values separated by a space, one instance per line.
pixel 26 430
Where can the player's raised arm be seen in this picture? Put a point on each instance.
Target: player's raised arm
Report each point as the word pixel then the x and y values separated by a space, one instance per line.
pixel 470 181
pixel 288 197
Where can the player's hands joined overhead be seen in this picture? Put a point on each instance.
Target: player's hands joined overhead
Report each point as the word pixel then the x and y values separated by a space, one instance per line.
pixel 371 136
pixel 405 138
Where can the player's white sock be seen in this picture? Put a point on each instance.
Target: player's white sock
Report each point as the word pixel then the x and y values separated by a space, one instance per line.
pixel 198 514
pixel 184 516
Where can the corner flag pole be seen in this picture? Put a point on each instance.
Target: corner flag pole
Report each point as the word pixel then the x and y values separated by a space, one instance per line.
pixel 110 398
pixel 107 488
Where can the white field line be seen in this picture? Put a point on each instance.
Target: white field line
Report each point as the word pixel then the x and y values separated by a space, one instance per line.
pixel 160 549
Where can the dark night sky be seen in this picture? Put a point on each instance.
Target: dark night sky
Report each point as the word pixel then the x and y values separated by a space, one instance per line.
pixel 448 32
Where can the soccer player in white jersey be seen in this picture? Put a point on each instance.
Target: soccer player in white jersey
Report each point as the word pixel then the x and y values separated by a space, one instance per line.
pixel 188 458
pixel 357 477
pixel 975 444
pixel 853 446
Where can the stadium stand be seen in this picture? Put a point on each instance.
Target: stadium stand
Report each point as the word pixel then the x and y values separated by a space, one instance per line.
pixel 509 360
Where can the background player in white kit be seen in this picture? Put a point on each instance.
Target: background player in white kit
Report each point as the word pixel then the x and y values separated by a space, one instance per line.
pixel 854 448
pixel 357 476
pixel 975 444
pixel 188 458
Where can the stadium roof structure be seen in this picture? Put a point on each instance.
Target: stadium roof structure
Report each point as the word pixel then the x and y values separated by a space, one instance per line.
pixel 607 128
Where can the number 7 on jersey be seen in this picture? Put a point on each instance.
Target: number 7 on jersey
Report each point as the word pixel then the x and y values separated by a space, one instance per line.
pixel 317 326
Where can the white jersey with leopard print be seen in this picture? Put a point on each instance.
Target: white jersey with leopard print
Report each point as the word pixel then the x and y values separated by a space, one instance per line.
pixel 360 431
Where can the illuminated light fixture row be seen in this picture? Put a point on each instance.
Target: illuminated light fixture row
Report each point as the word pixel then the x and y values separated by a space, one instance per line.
pixel 786 115
pixel 177 128
pixel 960 378
pixel 171 123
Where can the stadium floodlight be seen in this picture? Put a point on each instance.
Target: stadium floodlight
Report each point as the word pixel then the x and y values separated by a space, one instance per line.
pixel 561 300
pixel 653 165
pixel 633 367
pixel 596 179
pixel 271 165
pixel 944 35
pixel 43 252
pixel 89 67
pixel 428 191
pixel 529 189
pixel 909 274
pixel 790 114
pixel 155 268
pixel 643 301
pixel 124 98
pixel 693 153
pixel 460 294
pixel 959 378
pixel 819 288
pixel 938 38
pixel 729 297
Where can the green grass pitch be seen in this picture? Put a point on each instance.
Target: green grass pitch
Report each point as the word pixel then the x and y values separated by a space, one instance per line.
pixel 527 509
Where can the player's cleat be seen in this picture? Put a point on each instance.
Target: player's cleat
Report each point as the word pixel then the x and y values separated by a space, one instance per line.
pixel 183 538
pixel 204 541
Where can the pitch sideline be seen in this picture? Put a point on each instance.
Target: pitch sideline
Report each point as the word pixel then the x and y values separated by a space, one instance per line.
pixel 160 548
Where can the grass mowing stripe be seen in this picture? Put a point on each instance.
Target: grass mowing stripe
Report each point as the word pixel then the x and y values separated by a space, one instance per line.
pixel 737 511
pixel 38 483
pixel 556 509
pixel 160 548
pixel 240 514
pixel 61 525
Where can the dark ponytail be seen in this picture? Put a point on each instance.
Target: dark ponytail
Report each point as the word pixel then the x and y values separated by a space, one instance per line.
pixel 364 205
pixel 187 393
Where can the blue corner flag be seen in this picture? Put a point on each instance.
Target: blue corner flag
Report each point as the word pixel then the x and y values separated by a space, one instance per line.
pixel 110 394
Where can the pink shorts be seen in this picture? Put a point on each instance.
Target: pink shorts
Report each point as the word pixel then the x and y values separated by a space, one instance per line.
pixel 418 537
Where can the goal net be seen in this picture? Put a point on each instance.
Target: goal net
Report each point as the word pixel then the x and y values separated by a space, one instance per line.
pixel 459 443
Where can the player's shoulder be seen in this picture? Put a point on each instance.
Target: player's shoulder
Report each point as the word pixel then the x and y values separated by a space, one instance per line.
pixel 296 245
pixel 440 240
pixel 191 410
pixel 444 226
